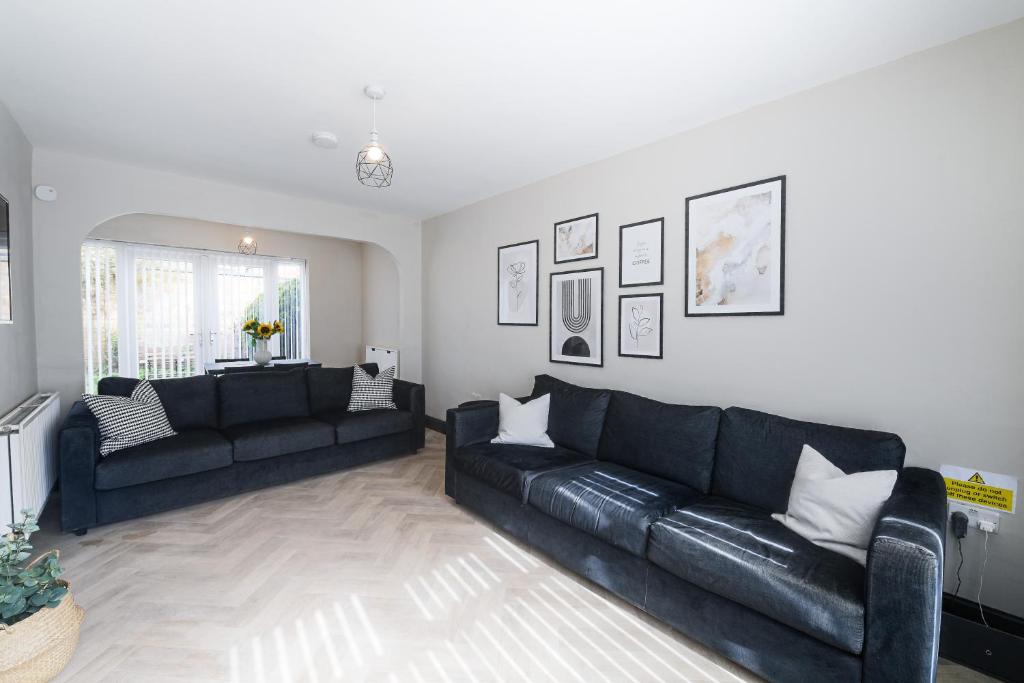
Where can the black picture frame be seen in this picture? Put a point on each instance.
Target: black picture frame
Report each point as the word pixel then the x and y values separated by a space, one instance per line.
pixel 551 314
pixel 661 255
pixel 782 252
pixel 6 284
pixel 536 284
pixel 661 325
pixel 597 236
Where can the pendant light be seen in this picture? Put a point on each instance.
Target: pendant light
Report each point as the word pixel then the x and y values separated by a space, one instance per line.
pixel 373 165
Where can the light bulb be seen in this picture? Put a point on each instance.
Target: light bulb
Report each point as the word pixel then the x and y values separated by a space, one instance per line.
pixel 374 153
pixel 247 240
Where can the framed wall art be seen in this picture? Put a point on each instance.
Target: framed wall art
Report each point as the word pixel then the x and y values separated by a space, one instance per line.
pixel 735 250
pixel 576 239
pixel 518 283
pixel 577 317
pixel 641 333
pixel 641 251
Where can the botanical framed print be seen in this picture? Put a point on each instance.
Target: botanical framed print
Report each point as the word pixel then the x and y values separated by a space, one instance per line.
pixel 577 317
pixel 518 283
pixel 735 250
pixel 641 253
pixel 576 239
pixel 641 333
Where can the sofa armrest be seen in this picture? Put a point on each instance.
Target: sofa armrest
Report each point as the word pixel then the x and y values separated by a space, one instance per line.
pixel 466 426
pixel 79 447
pixel 412 397
pixel 903 592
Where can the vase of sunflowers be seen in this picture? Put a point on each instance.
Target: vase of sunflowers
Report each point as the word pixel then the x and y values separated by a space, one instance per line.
pixel 260 334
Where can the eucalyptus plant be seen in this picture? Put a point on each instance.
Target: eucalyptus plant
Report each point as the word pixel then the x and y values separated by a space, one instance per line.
pixel 26 588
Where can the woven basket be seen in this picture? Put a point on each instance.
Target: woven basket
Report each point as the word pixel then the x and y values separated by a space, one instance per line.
pixel 38 648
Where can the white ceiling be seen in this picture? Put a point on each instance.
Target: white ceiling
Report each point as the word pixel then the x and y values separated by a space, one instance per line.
pixel 483 96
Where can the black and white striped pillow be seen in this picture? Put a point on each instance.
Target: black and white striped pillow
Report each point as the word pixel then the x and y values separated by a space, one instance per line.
pixel 369 393
pixel 127 421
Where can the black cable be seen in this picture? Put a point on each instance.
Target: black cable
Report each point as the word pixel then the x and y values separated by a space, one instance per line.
pixel 960 547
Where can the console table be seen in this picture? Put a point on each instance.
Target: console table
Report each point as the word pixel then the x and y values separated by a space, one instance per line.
pixel 220 368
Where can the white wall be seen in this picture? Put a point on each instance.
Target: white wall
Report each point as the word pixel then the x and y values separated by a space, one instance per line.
pixel 904 251
pixel 17 340
pixel 334 268
pixel 94 191
pixel 380 292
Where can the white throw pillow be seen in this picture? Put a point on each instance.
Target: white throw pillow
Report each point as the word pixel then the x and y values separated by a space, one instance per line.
pixel 525 424
pixel 833 509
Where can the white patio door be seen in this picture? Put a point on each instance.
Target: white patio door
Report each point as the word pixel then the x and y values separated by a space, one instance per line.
pixel 158 312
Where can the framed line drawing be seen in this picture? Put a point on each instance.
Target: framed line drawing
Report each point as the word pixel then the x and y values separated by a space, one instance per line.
pixel 519 283
pixel 576 333
pixel 641 329
pixel 735 250
pixel 641 253
pixel 576 239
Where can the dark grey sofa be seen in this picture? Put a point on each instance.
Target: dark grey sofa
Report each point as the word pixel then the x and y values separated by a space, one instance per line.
pixel 669 507
pixel 236 432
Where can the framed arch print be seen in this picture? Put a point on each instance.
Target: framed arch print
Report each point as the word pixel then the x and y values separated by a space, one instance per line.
pixel 641 251
pixel 576 239
pixel 735 250
pixel 576 334
pixel 518 283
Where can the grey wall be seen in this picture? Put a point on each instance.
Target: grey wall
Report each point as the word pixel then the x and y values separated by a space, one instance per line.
pixel 380 297
pixel 334 268
pixel 17 340
pixel 904 251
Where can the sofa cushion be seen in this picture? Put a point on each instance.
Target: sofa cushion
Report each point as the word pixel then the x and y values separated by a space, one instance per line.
pixel 576 415
pixel 270 438
pixel 331 388
pixel 612 502
pixel 190 402
pixel 511 467
pixel 249 397
pixel 189 452
pixel 739 552
pixel 366 424
pixel 671 441
pixel 757 453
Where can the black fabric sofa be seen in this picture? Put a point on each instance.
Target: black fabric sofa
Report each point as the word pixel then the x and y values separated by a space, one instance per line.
pixel 236 433
pixel 669 507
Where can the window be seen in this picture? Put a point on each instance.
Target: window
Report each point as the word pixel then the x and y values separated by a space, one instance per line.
pixel 178 309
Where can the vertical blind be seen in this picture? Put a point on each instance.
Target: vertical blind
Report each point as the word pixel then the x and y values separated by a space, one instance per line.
pixel 156 312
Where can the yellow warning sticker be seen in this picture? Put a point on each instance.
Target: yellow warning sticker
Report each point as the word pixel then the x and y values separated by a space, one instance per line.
pixel 975 487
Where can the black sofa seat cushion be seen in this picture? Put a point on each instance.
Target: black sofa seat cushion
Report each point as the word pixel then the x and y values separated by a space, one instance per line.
pixel 188 452
pixel 367 424
pixel 270 438
pixel 739 552
pixel 614 503
pixel 511 468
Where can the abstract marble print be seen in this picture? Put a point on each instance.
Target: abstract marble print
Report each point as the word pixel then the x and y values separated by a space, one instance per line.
pixel 576 239
pixel 735 243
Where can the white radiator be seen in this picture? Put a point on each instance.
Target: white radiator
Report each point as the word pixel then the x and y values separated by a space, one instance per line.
pixel 28 456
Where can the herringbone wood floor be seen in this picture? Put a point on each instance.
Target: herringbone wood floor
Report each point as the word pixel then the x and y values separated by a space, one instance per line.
pixel 366 575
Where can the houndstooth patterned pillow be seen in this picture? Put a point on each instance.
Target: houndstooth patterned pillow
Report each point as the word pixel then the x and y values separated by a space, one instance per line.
pixel 127 421
pixel 369 393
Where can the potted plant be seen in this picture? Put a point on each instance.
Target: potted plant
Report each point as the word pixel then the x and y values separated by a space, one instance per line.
pixel 260 333
pixel 39 620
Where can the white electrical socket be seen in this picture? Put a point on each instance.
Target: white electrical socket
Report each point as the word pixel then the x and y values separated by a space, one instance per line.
pixel 978 518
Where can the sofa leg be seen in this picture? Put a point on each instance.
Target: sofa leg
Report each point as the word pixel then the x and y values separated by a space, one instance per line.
pixel 81 532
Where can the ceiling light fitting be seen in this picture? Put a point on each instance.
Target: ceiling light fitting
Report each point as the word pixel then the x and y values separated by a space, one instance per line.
pixel 248 245
pixel 373 165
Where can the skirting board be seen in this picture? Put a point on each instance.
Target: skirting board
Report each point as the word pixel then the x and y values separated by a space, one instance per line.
pixel 965 640
pixel 436 424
